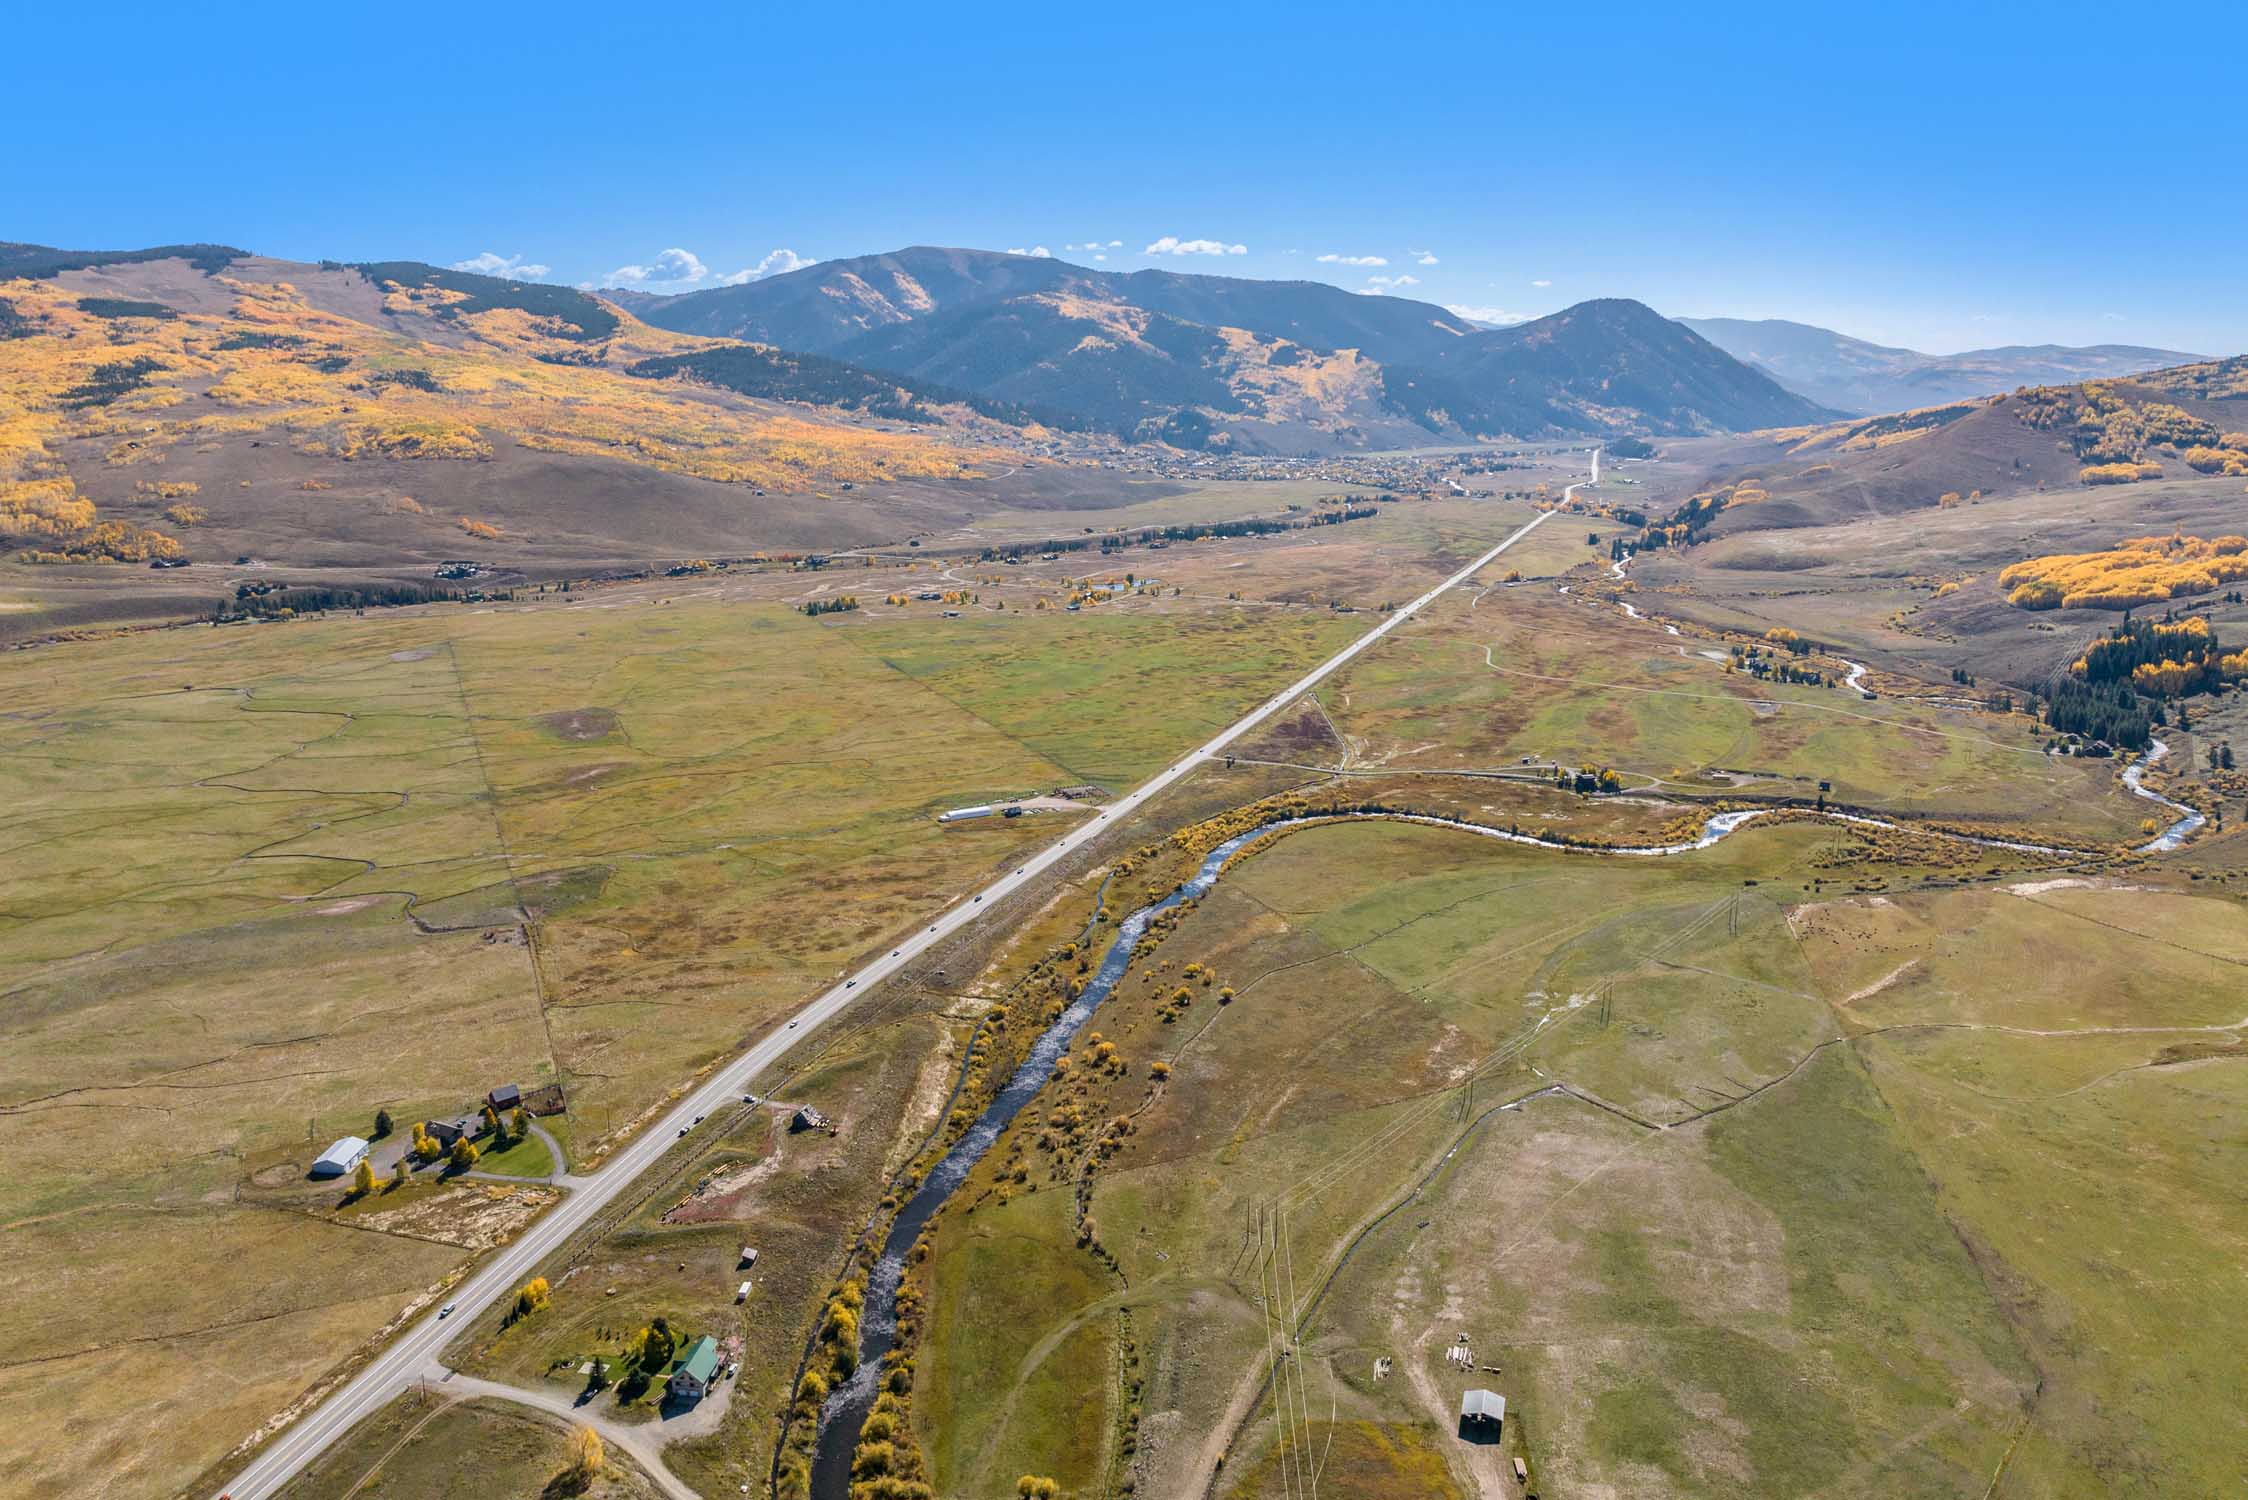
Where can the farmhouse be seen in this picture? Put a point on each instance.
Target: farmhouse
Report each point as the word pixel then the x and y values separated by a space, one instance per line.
pixel 445 1132
pixel 344 1156
pixel 808 1118
pixel 696 1369
pixel 1482 1414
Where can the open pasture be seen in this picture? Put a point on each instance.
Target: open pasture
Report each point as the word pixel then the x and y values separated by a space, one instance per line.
pixel 1379 972
pixel 1389 557
pixel 263 881
pixel 1744 1225
pixel 1521 671
pixel 424 1446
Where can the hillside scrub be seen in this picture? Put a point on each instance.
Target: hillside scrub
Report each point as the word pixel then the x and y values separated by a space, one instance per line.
pixel 540 366
pixel 2108 430
pixel 2118 473
pixel 2230 460
pixel 2142 570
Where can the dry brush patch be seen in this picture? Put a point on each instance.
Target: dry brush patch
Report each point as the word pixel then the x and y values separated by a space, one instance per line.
pixel 423 382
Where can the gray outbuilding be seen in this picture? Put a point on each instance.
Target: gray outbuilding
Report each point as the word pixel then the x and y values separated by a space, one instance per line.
pixel 1482 1415
pixel 344 1156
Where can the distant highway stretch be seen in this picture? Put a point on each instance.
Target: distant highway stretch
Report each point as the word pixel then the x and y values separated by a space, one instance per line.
pixel 1569 492
pixel 397 1367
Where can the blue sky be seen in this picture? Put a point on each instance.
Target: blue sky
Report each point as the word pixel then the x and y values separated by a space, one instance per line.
pixel 1943 176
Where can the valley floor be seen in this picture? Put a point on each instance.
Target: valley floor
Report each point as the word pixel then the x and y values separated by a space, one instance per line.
pixel 1828 1159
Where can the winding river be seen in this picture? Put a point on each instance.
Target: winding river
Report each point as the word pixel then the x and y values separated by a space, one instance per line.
pixel 2186 826
pixel 2189 821
pixel 846 1409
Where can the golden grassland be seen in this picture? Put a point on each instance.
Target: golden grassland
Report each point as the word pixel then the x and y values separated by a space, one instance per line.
pixel 425 1445
pixel 1377 975
pixel 278 365
pixel 263 880
pixel 1866 434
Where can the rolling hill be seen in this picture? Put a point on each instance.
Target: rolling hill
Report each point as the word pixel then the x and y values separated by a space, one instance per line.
pixel 1862 378
pixel 1611 365
pixel 197 403
pixel 1259 365
pixel 2185 427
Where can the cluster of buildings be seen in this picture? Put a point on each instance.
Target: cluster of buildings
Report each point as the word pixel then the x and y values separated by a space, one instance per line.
pixel 698 1367
pixel 1404 474
pixel 343 1156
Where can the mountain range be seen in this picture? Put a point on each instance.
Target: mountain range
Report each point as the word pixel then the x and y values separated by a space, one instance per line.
pixel 1253 365
pixel 201 401
pixel 1863 379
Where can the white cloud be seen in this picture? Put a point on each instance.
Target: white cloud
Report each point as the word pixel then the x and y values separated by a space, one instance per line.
pixel 1353 260
pixel 492 263
pixel 1485 314
pixel 1100 257
pixel 774 263
pixel 1380 284
pixel 674 267
pixel 1036 252
pixel 1541 283
pixel 1423 257
pixel 1097 245
pixel 1115 244
pixel 1171 244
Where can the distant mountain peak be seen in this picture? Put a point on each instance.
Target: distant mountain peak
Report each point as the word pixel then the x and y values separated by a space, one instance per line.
pixel 1130 351
pixel 1865 379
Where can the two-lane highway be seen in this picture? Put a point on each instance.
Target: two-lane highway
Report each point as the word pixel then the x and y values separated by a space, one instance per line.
pixel 397 1366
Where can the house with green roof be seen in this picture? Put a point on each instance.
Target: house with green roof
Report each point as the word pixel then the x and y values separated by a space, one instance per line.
pixel 696 1370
